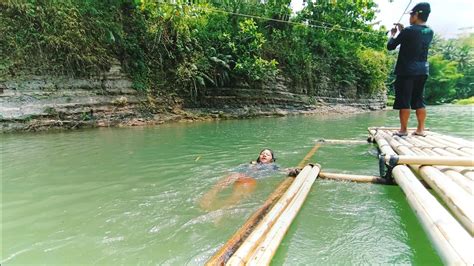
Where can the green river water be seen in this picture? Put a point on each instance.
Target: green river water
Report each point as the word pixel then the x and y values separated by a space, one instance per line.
pixel 129 195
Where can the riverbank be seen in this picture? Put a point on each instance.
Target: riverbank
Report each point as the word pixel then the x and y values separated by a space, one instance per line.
pixel 41 103
pixel 185 115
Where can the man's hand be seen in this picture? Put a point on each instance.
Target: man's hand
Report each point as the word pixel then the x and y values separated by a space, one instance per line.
pixel 398 27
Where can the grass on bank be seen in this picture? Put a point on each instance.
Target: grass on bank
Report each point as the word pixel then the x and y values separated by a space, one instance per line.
pixel 467 101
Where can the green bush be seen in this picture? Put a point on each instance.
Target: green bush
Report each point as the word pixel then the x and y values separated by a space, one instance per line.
pixel 467 101
pixel 373 70
pixel 441 85
pixel 182 48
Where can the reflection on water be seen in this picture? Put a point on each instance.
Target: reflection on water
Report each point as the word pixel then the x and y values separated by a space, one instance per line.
pixel 129 196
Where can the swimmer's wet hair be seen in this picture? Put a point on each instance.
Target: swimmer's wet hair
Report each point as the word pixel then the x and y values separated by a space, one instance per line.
pixel 266 149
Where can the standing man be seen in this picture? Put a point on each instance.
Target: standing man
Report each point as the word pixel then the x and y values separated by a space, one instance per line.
pixel 412 67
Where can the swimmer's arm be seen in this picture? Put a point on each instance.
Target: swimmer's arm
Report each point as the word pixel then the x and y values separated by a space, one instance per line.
pixel 292 171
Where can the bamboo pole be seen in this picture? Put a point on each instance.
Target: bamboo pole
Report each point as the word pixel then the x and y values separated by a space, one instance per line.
pixel 469 174
pixel 457 177
pixel 354 178
pixel 429 160
pixel 383 145
pixel 342 141
pixel 456 198
pixel 455 149
pixel 459 141
pixel 443 141
pixel 243 252
pixel 458 152
pixel 226 251
pixel 394 128
pixel 267 248
pixel 460 179
pixel 451 241
pixel 467 146
pixel 454 172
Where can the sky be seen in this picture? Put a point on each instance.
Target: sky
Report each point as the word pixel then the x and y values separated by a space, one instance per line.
pixel 446 17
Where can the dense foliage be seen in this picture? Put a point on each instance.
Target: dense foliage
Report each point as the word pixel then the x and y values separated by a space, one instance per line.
pixel 451 69
pixel 182 48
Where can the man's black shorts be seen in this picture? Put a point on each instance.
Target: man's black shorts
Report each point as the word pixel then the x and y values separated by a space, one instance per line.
pixel 409 92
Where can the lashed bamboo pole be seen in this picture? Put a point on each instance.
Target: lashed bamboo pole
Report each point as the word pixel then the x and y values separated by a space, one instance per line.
pixel 458 152
pixel 394 128
pixel 265 251
pixel 342 141
pixel 383 145
pixel 468 174
pixel 467 146
pixel 266 223
pixel 456 198
pixel 459 141
pixel 457 177
pixel 430 160
pixel 354 178
pixel 451 241
pixel 234 242
pixel 451 147
pixel 443 142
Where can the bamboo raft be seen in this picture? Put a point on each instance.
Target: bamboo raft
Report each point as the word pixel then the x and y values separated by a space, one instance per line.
pixel 415 163
pixel 446 165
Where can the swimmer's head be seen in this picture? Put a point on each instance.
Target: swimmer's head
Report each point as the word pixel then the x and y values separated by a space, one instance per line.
pixel 266 156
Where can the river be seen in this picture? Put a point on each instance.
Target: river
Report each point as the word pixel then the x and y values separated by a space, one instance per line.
pixel 129 195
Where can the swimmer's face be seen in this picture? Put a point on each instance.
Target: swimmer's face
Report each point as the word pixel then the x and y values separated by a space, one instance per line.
pixel 265 156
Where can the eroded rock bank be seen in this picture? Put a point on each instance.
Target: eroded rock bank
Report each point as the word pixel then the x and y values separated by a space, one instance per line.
pixel 39 103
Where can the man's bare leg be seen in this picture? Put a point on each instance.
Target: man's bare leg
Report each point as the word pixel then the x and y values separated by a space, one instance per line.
pixel 404 114
pixel 421 117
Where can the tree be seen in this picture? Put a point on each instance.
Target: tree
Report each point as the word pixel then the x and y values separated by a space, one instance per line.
pixel 441 85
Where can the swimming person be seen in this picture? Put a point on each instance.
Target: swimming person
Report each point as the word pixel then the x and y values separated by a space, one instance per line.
pixel 244 178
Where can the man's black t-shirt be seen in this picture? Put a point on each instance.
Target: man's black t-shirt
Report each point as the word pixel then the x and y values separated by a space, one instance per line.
pixel 414 43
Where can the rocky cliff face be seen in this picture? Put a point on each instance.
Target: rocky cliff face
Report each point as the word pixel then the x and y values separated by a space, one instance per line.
pixel 40 103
